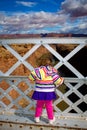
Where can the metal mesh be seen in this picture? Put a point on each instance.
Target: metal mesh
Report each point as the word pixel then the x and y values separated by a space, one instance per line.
pixel 16 91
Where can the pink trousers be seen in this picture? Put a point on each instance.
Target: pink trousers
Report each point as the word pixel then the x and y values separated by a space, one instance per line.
pixel 49 108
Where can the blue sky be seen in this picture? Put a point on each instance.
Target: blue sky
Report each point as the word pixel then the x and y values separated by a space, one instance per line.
pixel 43 16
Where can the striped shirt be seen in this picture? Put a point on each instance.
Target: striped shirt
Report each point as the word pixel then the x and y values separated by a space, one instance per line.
pixel 46 78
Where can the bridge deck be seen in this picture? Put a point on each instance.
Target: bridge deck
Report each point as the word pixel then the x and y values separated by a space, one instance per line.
pixel 26 122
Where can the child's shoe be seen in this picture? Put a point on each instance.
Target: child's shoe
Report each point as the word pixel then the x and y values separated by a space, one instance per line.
pixel 52 121
pixel 37 119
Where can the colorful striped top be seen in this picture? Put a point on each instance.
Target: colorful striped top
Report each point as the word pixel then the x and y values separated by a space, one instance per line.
pixel 46 78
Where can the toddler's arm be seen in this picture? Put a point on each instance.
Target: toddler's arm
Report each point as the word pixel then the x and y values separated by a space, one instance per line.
pixel 58 80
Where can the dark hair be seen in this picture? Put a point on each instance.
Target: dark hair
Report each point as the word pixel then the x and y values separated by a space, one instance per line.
pixel 45 59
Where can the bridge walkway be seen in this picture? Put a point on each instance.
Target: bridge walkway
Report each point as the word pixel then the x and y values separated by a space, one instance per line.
pixel 26 122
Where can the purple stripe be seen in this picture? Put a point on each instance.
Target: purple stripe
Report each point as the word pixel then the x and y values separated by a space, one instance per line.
pixel 44 83
pixel 37 73
pixel 32 75
pixel 56 77
pixel 44 87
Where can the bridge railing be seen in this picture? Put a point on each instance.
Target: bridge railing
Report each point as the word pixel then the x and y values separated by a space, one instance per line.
pixel 16 91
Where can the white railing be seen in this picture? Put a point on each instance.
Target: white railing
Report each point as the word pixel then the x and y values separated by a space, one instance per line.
pixel 22 102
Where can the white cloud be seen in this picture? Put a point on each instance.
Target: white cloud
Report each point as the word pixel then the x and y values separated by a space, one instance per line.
pixel 76 8
pixel 27 4
pixel 29 21
pixel 76 28
pixel 71 19
pixel 83 26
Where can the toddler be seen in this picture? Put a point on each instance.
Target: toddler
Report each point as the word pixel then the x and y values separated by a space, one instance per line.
pixel 46 80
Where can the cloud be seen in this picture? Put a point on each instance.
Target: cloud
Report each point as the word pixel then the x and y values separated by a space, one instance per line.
pixel 72 18
pixel 29 21
pixel 27 4
pixel 75 8
pixel 79 28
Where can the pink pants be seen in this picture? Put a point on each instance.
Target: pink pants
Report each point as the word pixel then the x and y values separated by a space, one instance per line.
pixel 49 108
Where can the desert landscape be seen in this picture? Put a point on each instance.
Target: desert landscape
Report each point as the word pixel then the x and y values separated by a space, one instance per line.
pixel 6 57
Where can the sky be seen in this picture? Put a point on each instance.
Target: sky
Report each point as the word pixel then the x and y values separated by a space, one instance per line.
pixel 43 16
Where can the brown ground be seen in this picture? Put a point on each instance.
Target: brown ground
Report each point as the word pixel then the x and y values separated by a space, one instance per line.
pixel 7 59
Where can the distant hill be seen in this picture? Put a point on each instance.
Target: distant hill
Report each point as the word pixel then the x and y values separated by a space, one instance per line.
pixel 40 35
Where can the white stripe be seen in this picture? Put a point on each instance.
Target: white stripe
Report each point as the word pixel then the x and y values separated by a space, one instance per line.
pixel 45 85
pixel 45 90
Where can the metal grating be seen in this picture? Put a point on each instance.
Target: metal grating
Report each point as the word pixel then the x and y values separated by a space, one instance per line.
pixel 71 97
